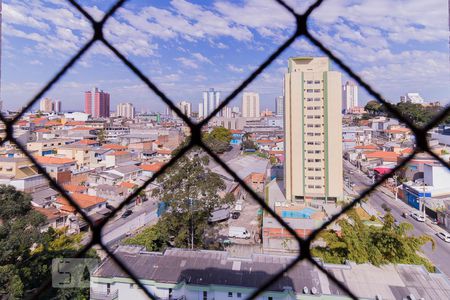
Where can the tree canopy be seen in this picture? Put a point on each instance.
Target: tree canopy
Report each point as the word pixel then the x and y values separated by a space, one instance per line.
pixel 218 139
pixel 361 243
pixel 25 252
pixel 191 192
pixel 417 113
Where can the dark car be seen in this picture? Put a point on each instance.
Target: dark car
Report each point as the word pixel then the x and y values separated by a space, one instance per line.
pixel 126 213
pixel 235 215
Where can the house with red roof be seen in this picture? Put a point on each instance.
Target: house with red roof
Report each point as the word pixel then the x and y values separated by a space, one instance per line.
pixel 59 168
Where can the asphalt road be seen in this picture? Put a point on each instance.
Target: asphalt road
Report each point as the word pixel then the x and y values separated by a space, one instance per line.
pixel 440 256
pixel 226 156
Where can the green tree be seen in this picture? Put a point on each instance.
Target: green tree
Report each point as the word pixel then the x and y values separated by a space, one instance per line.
pixel 361 243
pixel 25 252
pixel 101 137
pixel 191 193
pixel 374 108
pixel 218 139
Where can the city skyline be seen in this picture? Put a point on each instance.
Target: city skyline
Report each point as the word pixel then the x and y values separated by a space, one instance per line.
pixel 220 57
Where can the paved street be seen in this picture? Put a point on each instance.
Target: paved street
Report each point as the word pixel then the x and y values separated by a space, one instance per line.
pixel 228 155
pixel 441 255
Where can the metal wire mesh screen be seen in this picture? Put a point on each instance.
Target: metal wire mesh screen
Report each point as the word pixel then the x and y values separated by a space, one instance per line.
pixel 196 140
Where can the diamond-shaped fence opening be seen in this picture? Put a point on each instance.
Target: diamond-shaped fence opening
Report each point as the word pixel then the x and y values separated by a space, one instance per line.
pixel 302 30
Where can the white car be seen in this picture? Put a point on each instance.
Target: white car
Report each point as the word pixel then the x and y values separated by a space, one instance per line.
pixel 418 217
pixel 445 236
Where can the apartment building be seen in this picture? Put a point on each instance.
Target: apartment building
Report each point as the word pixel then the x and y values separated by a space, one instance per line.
pixel 250 105
pixel 313 130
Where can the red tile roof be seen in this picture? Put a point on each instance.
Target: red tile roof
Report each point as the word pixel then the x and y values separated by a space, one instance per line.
pixel 370 147
pixel 50 213
pixel 114 146
pixel 83 200
pixel 119 153
pixel 87 142
pixel 50 160
pixel 75 123
pixel 127 185
pixel 75 188
pixel 164 151
pixel 385 155
pixel 154 167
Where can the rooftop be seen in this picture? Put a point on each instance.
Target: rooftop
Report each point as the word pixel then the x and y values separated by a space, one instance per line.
pixel 203 268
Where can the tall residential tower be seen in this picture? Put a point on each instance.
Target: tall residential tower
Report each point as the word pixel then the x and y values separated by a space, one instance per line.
pixel 211 100
pixel 250 105
pixel 96 103
pixel 313 130
pixel 349 96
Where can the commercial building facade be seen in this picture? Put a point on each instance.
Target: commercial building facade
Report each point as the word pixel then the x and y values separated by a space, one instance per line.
pixel 313 130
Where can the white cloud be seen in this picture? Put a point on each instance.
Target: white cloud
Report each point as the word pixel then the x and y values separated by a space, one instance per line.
pixel 187 62
pixel 235 69
pixel 202 58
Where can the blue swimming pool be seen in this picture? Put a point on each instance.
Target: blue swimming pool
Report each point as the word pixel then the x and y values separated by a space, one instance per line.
pixel 298 214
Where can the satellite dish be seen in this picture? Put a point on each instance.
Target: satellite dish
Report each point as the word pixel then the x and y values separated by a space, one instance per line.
pixel 313 290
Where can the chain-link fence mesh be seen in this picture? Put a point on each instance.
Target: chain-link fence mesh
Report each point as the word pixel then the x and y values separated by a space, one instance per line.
pixel 196 140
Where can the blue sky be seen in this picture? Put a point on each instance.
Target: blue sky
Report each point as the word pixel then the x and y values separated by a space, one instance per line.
pixel 186 47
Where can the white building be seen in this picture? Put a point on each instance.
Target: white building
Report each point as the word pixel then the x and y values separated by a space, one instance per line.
pixel 200 111
pixel 349 96
pixel 186 108
pixel 279 106
pixel 227 112
pixel 211 100
pixel 250 105
pixel 125 110
pixel 412 97
pixel 180 274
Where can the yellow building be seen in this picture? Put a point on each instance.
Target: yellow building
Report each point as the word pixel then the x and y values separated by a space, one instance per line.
pixel 313 130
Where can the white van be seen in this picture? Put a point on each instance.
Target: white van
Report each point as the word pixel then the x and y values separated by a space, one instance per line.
pixel 238 232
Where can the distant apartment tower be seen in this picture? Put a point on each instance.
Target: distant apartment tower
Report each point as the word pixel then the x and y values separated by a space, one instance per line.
pixel 125 110
pixel 200 110
pixel 412 98
pixel 186 108
pixel 211 100
pixel 313 130
pixel 279 106
pixel 46 105
pixel 96 103
pixel 56 105
pixel 349 96
pixel 250 105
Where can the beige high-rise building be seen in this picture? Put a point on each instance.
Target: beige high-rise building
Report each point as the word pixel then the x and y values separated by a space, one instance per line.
pixel 125 110
pixel 313 130
pixel 250 105
pixel 46 105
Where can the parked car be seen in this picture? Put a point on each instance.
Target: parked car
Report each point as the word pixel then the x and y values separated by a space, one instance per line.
pixel 418 217
pixel 445 236
pixel 238 232
pixel 127 213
